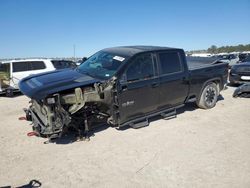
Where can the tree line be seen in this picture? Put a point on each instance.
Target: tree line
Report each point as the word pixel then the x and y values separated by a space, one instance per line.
pixel 224 49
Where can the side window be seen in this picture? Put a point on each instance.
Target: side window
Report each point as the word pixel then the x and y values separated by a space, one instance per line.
pixel 170 62
pixel 62 64
pixel 37 65
pixel 140 68
pixel 20 66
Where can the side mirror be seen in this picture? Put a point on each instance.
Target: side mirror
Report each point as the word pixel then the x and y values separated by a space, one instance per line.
pixel 123 79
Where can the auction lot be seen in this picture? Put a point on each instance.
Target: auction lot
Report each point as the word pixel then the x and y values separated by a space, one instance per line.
pixel 199 148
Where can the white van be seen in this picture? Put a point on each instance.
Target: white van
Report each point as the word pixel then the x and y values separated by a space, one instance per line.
pixel 11 72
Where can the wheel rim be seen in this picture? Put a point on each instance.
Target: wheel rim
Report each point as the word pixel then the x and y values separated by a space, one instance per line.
pixel 210 96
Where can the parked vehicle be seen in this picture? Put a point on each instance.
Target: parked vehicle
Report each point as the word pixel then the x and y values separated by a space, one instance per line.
pixel 240 73
pixel 244 56
pixel 11 72
pixel 246 59
pixel 123 85
pixel 231 59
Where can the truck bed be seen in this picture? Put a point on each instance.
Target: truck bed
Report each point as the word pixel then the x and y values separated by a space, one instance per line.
pixel 201 72
pixel 198 62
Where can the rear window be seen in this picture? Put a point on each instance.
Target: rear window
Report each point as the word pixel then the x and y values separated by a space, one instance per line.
pixel 37 65
pixel 61 64
pixel 170 62
pixel 28 66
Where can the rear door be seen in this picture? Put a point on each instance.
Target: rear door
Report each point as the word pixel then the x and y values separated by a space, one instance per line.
pixel 138 88
pixel 174 84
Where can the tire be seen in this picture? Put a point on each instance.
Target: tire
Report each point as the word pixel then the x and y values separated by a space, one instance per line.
pixel 9 93
pixel 208 97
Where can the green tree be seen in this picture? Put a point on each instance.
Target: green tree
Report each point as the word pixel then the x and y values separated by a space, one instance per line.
pixel 212 49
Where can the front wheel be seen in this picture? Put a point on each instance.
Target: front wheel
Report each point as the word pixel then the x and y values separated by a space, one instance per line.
pixel 208 97
pixel 9 93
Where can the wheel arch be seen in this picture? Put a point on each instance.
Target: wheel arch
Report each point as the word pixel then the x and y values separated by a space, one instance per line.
pixel 216 80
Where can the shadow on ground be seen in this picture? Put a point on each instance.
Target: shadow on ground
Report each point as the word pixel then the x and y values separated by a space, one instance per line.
pixel 191 106
pixel 71 136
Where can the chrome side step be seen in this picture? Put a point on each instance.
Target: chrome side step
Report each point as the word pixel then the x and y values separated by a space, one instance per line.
pixel 143 121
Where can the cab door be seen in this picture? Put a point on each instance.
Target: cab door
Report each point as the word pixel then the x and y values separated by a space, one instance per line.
pixel 174 84
pixel 138 88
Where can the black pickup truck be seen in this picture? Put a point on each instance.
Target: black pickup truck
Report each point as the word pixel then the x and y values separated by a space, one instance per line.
pixel 123 86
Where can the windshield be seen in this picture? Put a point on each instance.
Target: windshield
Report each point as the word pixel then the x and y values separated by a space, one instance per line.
pixel 101 65
pixel 247 59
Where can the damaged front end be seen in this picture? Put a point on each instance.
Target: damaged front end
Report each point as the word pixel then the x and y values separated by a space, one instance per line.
pixel 76 108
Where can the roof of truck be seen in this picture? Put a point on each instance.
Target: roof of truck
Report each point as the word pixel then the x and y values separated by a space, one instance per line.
pixel 132 50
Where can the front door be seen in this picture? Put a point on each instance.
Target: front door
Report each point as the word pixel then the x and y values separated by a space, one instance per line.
pixel 138 88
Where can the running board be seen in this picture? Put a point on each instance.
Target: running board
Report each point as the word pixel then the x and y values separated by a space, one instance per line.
pixel 143 121
pixel 169 114
pixel 137 125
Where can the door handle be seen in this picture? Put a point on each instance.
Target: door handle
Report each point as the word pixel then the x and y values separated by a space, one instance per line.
pixel 155 84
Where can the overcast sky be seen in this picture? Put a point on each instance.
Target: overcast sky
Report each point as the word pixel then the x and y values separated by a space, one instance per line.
pixel 50 28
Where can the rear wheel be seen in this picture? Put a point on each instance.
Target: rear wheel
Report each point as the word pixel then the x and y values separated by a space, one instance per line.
pixel 208 96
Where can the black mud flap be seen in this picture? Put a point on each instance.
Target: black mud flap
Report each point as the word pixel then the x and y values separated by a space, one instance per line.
pixel 242 91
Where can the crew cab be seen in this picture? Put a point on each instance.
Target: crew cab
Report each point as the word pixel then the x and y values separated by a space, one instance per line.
pixel 231 59
pixel 121 85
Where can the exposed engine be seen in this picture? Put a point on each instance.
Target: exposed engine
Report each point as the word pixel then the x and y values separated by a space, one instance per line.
pixel 75 109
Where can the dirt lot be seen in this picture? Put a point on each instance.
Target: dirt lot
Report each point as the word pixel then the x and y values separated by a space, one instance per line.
pixel 199 148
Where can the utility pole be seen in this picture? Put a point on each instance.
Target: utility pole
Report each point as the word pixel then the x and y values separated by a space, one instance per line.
pixel 74 49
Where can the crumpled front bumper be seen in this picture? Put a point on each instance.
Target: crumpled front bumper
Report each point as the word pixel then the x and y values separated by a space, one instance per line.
pixel 44 124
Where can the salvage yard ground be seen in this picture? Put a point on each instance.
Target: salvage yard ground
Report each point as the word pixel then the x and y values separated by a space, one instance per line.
pixel 199 148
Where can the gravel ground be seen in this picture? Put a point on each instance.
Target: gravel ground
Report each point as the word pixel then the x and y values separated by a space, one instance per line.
pixel 199 148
